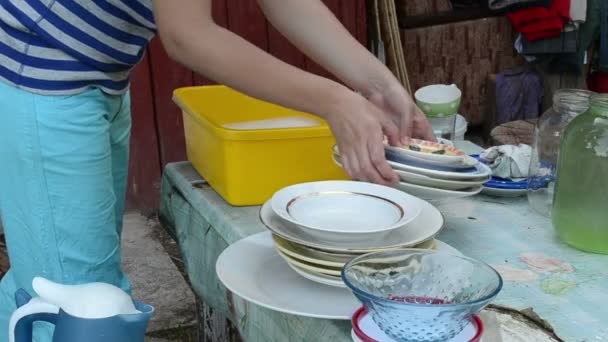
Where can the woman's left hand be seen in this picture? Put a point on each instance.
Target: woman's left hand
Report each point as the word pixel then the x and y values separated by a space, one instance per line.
pixel 394 101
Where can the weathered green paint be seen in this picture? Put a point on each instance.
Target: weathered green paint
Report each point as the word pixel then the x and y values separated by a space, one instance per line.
pixel 498 231
pixel 556 286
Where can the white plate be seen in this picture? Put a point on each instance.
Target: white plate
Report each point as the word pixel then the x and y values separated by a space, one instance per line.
pixel 496 192
pixel 252 269
pixel 332 281
pixel 311 255
pixel 345 207
pixel 481 171
pixel 442 246
pixel 431 194
pixel 328 270
pixel 465 163
pixel 337 281
pixel 467 166
pixel 419 179
pixel 318 277
pixel 425 226
pixel 321 258
pixel 445 141
pixel 448 184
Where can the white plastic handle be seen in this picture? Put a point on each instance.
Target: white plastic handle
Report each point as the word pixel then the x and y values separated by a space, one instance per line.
pixel 34 306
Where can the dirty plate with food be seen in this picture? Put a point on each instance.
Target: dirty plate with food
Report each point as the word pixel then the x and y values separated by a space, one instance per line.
pixel 432 150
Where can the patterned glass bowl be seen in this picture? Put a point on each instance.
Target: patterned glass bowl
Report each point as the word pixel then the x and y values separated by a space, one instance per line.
pixel 421 295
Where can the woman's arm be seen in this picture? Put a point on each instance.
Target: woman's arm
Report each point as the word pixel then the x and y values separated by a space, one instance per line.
pixel 311 26
pixel 191 37
pixel 314 29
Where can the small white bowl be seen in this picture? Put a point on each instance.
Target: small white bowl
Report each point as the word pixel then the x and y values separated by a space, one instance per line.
pixel 345 209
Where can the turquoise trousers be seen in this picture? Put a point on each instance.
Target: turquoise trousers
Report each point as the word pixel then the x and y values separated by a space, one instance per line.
pixel 63 178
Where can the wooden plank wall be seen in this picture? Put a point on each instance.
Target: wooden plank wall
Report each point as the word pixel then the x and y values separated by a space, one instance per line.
pixel 157 136
pixel 463 53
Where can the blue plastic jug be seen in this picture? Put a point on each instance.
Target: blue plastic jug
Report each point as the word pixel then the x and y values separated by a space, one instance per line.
pixel 69 328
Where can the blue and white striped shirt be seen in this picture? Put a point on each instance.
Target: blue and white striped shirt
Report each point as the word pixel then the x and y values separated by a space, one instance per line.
pixel 62 47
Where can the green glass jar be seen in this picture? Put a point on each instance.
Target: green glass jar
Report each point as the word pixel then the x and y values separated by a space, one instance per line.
pixel 580 205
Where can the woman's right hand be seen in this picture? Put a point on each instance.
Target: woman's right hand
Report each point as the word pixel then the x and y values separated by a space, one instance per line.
pixel 359 128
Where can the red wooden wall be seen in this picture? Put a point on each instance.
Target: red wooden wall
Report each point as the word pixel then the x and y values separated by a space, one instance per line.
pixel 158 136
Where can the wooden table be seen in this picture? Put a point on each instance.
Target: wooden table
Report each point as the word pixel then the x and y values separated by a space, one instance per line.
pixel 548 285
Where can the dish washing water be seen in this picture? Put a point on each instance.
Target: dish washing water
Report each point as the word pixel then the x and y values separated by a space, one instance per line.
pixel 278 123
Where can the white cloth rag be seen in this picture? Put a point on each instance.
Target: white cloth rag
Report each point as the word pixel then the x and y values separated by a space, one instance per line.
pixel 508 161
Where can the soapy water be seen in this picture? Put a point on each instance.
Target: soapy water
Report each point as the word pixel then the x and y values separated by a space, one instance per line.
pixel 277 123
pixel 579 208
pixel 601 142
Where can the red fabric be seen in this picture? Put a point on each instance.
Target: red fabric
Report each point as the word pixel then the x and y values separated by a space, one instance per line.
pixel 540 29
pixel 598 82
pixel 528 15
pixel 542 25
pixel 541 22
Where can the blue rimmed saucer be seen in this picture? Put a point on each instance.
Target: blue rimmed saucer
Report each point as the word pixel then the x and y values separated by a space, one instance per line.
pixel 500 183
pixel 467 165
pixel 500 187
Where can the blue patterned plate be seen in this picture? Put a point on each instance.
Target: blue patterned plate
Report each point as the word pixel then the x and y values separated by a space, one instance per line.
pixel 395 156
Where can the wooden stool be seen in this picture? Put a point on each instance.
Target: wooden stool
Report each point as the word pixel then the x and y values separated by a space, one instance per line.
pixel 514 133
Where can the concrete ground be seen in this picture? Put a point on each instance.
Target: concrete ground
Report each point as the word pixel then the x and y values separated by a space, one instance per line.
pixel 157 280
pixel 150 257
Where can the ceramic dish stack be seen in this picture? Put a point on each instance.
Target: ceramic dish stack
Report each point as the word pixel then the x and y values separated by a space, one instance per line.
pixel 433 170
pixel 318 227
pixel 313 230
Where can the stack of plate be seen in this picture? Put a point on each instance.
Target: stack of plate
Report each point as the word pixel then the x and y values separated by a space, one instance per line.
pixel 432 170
pixel 318 227
pixel 500 187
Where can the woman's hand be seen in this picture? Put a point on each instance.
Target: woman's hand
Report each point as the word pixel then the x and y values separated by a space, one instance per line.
pixel 359 128
pixel 191 37
pixel 397 104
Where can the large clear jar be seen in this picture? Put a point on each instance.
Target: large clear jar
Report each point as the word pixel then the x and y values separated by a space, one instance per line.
pixel 567 104
pixel 580 207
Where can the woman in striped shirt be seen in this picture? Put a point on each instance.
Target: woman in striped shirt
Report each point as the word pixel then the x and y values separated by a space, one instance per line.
pixel 65 121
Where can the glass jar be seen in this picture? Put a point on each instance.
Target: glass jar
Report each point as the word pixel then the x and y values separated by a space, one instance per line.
pixel 567 104
pixel 580 207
